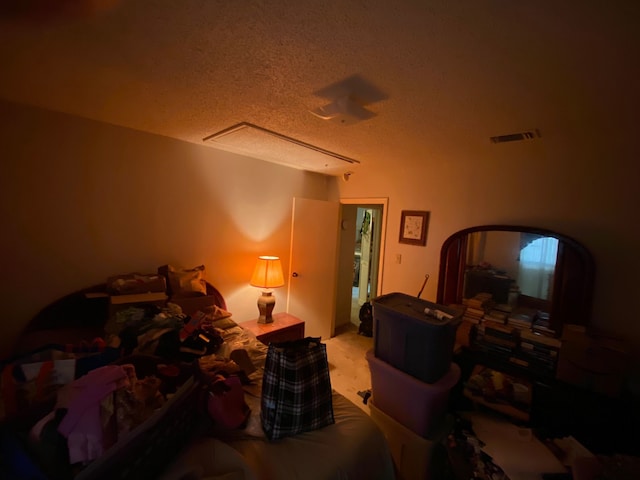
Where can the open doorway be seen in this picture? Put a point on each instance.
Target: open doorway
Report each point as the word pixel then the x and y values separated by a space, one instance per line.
pixel 365 256
pixel 361 249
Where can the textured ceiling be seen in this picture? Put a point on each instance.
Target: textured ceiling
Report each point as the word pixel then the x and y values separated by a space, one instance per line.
pixel 432 73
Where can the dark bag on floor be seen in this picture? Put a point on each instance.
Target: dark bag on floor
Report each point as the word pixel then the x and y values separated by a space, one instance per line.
pixel 366 320
pixel 296 388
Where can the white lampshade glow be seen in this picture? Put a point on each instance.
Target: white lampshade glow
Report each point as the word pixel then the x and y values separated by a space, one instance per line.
pixel 267 274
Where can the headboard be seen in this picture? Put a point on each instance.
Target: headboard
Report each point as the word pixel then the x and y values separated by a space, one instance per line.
pixel 82 315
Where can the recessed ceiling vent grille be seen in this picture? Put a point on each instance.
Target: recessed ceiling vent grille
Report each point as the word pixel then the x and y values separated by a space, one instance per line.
pixel 516 137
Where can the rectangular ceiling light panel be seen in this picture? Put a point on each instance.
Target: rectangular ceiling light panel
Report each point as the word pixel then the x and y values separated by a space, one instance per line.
pixel 257 142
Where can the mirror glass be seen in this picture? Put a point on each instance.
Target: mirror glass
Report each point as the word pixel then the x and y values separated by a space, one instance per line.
pixel 519 263
pixel 522 268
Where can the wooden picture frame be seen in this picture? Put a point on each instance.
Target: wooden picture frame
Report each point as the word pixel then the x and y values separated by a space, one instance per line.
pixel 413 227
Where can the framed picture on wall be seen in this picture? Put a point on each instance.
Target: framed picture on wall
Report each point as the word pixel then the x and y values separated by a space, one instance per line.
pixel 413 227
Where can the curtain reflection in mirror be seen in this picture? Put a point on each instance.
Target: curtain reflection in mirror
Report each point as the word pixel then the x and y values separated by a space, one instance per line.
pixel 537 267
pixel 528 259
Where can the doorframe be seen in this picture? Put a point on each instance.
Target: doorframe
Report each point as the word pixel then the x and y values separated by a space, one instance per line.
pixel 383 202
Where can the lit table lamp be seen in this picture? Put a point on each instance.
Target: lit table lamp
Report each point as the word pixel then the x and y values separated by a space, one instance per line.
pixel 267 275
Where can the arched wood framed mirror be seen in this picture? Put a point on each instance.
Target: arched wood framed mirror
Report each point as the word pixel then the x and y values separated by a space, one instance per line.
pixel 551 272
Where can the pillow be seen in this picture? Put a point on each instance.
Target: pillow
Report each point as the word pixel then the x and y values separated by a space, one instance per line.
pixel 217 317
pixel 214 312
pixel 186 282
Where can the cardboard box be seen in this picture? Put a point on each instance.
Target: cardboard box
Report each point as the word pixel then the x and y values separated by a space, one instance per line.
pixel 412 454
pixel 118 303
pixel 594 364
pixel 134 283
pixel 593 360
pixel 191 305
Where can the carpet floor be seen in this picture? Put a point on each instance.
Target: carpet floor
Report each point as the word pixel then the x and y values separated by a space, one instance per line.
pixel 348 367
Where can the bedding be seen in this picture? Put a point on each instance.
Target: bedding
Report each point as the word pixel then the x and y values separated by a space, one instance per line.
pixel 352 448
pixel 185 282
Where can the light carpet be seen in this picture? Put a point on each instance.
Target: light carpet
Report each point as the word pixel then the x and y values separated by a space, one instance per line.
pixel 348 367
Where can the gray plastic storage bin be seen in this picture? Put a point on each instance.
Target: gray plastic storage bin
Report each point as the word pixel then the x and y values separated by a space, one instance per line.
pixel 415 342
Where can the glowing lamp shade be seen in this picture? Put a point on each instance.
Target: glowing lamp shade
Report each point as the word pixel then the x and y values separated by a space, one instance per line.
pixel 266 275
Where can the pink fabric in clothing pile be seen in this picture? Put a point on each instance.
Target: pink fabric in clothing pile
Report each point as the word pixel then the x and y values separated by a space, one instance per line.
pixel 82 424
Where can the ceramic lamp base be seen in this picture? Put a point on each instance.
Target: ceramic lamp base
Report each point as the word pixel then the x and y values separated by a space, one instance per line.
pixel 266 302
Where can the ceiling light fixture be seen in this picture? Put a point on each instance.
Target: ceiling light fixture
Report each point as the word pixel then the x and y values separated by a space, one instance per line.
pixel 258 142
pixel 344 111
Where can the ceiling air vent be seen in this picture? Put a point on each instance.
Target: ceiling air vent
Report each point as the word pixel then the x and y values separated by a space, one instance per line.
pixel 516 137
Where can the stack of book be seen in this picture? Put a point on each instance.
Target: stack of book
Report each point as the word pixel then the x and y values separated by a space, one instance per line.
pixel 542 326
pixel 504 308
pixel 522 318
pixel 496 337
pixel 538 351
pixel 474 310
pixel 496 316
pixel 476 307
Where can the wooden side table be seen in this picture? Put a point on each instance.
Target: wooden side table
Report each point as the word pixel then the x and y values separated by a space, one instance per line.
pixel 284 328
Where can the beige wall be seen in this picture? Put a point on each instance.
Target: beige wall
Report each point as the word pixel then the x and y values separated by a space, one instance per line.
pixel 582 184
pixel 81 200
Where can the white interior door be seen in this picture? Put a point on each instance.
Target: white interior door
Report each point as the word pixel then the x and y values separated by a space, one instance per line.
pixel 313 265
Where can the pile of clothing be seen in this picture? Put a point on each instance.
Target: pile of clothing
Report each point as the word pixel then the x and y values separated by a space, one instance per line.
pixel 168 333
pixel 94 412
